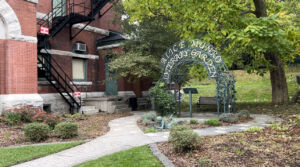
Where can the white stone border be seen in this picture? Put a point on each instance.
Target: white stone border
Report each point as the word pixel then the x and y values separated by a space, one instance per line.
pixel 83 83
pixel 33 1
pixel 109 46
pixel 15 100
pixel 91 29
pixel 126 93
pixel 71 54
pixel 13 25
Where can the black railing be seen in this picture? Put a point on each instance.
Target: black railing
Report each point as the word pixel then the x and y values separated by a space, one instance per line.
pixel 67 12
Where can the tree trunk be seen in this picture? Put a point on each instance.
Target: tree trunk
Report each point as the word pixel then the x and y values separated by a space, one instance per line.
pixel 278 80
pixel 277 74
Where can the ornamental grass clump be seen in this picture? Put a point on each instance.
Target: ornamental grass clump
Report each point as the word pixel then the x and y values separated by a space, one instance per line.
pixel 183 139
pixel 228 117
pixel 193 122
pixel 148 118
pixel 36 132
pixel 244 114
pixel 212 122
pixel 66 130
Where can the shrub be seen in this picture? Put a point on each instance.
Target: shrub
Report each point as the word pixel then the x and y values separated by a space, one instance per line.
pixel 298 119
pixel 183 138
pixel 36 131
pixel 146 122
pixel 192 121
pixel 50 119
pixel 66 130
pixel 149 116
pixel 228 117
pixel 244 114
pixel 163 99
pixel 12 118
pixel 203 162
pixel 76 116
pixel 150 130
pixel 27 112
pixel 212 122
pixel 254 129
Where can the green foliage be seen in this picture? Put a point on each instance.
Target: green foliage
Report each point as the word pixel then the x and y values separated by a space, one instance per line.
pixel 198 72
pixel 228 117
pixel 204 162
pixel 150 130
pixel 239 30
pixel 50 119
pixel 193 121
pixel 235 29
pixel 298 119
pixel 12 118
pixel 183 138
pixel 29 114
pixel 36 131
pixel 244 114
pixel 66 130
pixel 254 129
pixel 164 101
pixel 147 42
pixel 14 155
pixel 135 157
pixel 148 118
pixel 212 122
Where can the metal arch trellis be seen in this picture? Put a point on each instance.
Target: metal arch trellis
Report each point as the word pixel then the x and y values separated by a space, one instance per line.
pixel 194 51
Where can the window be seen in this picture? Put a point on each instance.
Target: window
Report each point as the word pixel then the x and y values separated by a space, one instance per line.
pixel 59 7
pixel 79 69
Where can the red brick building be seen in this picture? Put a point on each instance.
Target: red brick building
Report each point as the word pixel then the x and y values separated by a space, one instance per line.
pixel 73 57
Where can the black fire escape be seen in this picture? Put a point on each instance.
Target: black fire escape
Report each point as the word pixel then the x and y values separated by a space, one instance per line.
pixel 65 14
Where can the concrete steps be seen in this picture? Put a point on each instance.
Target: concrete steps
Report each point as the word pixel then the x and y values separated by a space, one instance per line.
pixel 111 104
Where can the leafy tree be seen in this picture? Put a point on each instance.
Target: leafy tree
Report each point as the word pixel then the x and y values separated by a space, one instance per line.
pixel 262 30
pixel 141 53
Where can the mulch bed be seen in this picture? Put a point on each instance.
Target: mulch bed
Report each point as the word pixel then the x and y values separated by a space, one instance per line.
pixel 269 147
pixel 89 127
pixel 200 125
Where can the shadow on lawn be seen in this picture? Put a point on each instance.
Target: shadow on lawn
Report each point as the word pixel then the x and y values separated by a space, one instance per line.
pixel 253 107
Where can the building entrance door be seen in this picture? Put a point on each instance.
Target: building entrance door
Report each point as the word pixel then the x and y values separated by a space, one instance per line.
pixel 111 84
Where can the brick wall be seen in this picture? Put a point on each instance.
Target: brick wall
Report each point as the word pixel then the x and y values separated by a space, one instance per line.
pixel 19 72
pixel 26 13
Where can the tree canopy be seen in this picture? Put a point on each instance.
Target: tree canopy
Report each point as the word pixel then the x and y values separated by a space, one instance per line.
pixel 141 53
pixel 266 32
pixel 231 26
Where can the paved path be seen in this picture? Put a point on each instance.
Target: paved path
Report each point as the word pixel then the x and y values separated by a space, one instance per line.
pixel 125 134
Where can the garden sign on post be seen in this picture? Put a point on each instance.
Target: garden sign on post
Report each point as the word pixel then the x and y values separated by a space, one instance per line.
pixel 188 52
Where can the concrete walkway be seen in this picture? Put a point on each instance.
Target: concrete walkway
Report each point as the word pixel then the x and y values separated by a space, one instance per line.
pixel 124 134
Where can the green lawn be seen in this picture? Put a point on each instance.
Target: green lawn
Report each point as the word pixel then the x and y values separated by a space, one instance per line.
pixel 135 157
pixel 12 156
pixel 251 88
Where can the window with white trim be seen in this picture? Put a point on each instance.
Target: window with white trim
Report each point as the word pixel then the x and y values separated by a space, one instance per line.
pixel 79 69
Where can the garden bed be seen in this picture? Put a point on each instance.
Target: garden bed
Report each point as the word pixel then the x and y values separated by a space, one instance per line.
pixel 89 127
pixel 276 145
pixel 199 125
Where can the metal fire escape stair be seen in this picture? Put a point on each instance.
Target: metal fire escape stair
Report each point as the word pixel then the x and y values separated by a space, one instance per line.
pixel 64 14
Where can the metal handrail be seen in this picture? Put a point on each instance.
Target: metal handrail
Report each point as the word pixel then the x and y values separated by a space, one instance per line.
pixel 60 68
pixel 65 82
